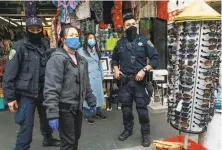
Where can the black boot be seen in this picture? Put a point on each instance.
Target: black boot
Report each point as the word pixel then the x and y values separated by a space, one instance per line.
pixel 49 141
pixel 146 140
pixel 124 135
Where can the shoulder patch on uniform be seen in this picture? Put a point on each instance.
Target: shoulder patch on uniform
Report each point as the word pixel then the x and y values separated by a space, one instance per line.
pixel 11 54
pixel 150 43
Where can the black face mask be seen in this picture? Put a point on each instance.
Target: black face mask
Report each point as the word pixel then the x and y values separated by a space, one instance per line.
pixel 131 33
pixel 35 38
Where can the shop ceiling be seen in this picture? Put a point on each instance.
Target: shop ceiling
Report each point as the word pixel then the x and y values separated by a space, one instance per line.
pixel 12 11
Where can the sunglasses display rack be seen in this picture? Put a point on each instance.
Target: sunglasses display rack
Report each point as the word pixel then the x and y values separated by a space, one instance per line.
pixel 194 50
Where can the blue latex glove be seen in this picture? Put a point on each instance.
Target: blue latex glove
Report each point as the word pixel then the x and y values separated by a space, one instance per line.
pixel 93 109
pixel 54 124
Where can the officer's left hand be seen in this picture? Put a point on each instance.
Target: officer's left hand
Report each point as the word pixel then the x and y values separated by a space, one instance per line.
pixel 140 75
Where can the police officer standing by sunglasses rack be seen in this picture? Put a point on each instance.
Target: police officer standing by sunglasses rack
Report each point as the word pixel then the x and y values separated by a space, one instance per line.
pixel 129 62
pixel 23 83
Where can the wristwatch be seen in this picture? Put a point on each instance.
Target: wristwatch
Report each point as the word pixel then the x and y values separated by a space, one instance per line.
pixel 144 69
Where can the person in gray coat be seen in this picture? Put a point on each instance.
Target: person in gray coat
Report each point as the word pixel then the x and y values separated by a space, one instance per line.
pixel 66 87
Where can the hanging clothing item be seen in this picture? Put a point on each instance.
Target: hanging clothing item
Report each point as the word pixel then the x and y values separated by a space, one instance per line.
pixel 67 8
pixel 102 25
pixel 148 9
pixel 162 10
pixel 107 6
pixel 74 21
pixel 137 10
pixel 97 8
pixel 117 14
pixel 55 32
pixel 83 11
pixel 133 6
pixel 30 9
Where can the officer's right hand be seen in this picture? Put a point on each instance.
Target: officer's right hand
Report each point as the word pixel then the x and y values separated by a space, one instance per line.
pixel 13 106
pixel 54 124
pixel 117 74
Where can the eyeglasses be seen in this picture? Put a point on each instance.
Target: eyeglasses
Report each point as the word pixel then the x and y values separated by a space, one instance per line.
pixel 186 89
pixel 212 40
pixel 190 46
pixel 213 28
pixel 189 51
pixel 207 79
pixel 189 34
pixel 204 99
pixel 191 41
pixel 212 34
pixel 208 63
pixel 212 47
pixel 183 73
pixel 191 28
pixel 202 114
pixel 181 62
pixel 205 95
pixel 207 85
pixel 201 125
pixel 208 57
pixel 191 23
pixel 205 90
pixel 187 68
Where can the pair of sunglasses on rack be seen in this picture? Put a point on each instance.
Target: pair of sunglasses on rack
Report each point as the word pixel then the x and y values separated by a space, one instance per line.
pixel 181 124
pixel 208 79
pixel 190 41
pixel 190 28
pixel 205 99
pixel 189 56
pixel 213 28
pixel 205 95
pixel 212 47
pixel 190 46
pixel 182 62
pixel 190 34
pixel 188 51
pixel 213 34
pixel 213 40
pixel 212 72
pixel 206 91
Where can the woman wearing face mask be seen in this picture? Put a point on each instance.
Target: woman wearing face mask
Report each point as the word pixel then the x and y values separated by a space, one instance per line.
pixel 91 53
pixel 66 86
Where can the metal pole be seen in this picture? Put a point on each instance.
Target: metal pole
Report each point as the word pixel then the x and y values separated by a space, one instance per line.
pixel 185 141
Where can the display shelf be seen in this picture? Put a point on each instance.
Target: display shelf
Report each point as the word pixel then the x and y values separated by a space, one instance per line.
pixel 195 48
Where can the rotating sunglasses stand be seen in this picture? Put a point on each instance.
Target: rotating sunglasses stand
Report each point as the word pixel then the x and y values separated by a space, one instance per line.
pixel 194 52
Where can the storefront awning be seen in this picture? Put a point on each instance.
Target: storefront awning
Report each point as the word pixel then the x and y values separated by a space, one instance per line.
pixel 198 10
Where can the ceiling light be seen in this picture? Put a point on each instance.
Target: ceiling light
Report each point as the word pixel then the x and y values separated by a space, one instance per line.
pixel 43 24
pixel 49 23
pixel 8 21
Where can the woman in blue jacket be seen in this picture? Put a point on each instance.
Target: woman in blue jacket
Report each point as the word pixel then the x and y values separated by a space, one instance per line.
pixel 91 52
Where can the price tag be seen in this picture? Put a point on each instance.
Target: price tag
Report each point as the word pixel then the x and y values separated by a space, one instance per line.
pixel 179 106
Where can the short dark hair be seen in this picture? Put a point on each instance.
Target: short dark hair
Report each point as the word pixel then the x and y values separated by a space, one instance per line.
pixel 128 17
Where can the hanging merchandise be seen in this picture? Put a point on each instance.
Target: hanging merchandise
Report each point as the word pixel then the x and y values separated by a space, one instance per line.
pixel 194 66
pixel 148 9
pixel 83 11
pixel 30 8
pixel 55 30
pixel 117 14
pixel 67 8
pixel 107 6
pixel 97 7
pixel 74 20
pixel 162 10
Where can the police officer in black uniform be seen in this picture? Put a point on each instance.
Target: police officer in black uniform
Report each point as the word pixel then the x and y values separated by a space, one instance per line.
pixel 129 62
pixel 23 82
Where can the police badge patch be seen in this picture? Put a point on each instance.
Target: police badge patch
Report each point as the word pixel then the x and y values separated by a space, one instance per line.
pixel 11 54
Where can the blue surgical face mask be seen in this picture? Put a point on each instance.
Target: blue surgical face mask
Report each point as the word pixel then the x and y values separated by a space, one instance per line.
pixel 72 43
pixel 91 42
